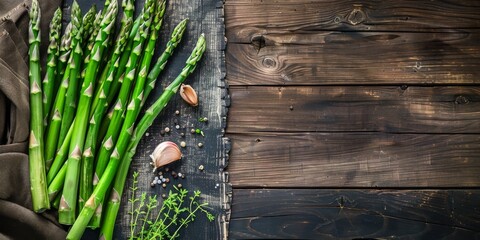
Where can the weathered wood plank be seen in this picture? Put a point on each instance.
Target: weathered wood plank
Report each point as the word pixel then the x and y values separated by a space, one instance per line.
pixel 350 214
pixel 334 58
pixel 355 108
pixel 247 18
pixel 354 160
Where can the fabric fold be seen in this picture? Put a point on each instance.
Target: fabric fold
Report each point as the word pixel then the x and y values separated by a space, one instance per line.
pixel 17 219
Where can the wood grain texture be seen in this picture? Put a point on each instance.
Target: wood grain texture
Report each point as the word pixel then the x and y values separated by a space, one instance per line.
pixel 248 18
pixel 354 160
pixel 392 109
pixel 354 94
pixel 334 58
pixel 355 214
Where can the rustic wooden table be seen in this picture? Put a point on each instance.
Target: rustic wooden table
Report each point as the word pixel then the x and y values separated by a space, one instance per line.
pixel 349 119
pixel 354 119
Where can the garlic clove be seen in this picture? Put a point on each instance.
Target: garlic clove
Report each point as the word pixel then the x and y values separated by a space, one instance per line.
pixel 189 95
pixel 165 153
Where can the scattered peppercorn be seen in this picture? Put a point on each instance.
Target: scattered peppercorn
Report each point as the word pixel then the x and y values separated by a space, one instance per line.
pixel 167 129
pixel 192 131
pixel 164 195
pixel 179 185
pixel 162 132
pixel 182 134
pixel 177 126
pixel 200 145
pixel 164 185
pixel 183 144
pixel 152 184
pixel 201 167
pixel 177 112
pixel 167 180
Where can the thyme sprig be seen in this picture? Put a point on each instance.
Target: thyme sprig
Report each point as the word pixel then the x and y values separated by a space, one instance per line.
pixel 177 211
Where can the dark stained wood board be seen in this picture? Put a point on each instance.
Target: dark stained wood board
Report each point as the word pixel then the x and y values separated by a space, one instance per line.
pixel 398 109
pixel 249 18
pixel 206 17
pixel 355 214
pixel 354 58
pixel 359 160
pixel 354 95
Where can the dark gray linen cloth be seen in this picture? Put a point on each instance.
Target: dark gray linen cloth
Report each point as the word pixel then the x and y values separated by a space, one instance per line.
pixel 17 220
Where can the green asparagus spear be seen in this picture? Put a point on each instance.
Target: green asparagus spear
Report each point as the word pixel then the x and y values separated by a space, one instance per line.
pixel 88 24
pixel 99 193
pixel 56 119
pixel 68 203
pixel 73 80
pixel 64 55
pixel 56 186
pixel 56 202
pixel 123 61
pixel 60 157
pixel 95 28
pixel 162 60
pixel 35 149
pixel 106 122
pixel 90 42
pixel 52 58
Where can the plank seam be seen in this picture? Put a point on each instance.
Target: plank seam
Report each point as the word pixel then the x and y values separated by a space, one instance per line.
pixel 226 188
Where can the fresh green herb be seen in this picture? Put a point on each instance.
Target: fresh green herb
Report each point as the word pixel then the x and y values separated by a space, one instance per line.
pixel 199 131
pixel 176 212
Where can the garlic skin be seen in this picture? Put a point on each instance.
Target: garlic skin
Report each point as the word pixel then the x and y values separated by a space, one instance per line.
pixel 165 153
pixel 189 95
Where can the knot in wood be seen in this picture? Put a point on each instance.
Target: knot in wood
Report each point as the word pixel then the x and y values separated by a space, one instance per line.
pixel 337 19
pixel 356 16
pixel 461 100
pixel 258 42
pixel 269 62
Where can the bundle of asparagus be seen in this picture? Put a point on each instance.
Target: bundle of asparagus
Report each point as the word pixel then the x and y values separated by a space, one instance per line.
pixel 88 72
